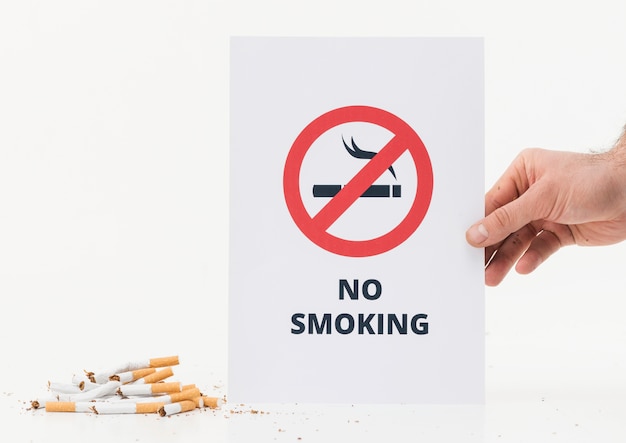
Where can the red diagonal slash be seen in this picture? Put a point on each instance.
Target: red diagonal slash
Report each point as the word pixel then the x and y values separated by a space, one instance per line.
pixel 359 183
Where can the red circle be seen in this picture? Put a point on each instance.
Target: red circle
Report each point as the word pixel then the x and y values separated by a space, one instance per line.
pixel 318 233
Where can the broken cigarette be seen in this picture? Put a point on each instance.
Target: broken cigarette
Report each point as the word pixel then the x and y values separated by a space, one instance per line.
pixel 160 362
pixel 72 388
pixel 149 388
pixel 99 392
pixel 208 402
pixel 177 408
pixel 140 388
pixel 128 376
pixel 66 388
pixel 87 377
pixel 187 394
pixel 157 376
pixel 103 407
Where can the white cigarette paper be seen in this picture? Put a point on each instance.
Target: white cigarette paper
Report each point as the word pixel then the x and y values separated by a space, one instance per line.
pixel 126 408
pixel 106 389
pixel 65 388
pixel 71 388
pixel 83 378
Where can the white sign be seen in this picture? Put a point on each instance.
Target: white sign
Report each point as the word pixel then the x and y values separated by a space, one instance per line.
pixel 356 167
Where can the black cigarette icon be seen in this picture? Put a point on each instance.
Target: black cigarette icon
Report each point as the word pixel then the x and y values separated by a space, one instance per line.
pixel 372 191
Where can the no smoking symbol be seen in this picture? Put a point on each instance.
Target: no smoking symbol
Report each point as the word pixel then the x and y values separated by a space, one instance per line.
pixel 404 139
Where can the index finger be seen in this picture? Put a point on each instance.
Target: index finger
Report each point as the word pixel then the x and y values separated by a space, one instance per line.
pixel 510 186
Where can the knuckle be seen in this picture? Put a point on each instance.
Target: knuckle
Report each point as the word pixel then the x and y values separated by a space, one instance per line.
pixel 502 217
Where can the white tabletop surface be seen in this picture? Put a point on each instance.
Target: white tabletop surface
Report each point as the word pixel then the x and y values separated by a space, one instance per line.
pixel 114 226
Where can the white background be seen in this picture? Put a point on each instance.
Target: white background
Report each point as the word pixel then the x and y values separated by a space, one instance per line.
pixel 114 202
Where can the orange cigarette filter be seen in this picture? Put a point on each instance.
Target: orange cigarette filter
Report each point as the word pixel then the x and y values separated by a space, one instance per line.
pixel 60 406
pixel 187 394
pixel 187 405
pixel 148 408
pixel 162 362
pixel 140 373
pixel 159 388
pixel 157 376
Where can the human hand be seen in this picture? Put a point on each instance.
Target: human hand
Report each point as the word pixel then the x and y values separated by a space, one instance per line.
pixel 549 199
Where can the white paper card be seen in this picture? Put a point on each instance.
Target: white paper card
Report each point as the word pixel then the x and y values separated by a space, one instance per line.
pixel 356 168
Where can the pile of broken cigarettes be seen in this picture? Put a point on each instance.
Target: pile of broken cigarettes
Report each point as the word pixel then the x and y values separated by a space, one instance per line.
pixel 135 387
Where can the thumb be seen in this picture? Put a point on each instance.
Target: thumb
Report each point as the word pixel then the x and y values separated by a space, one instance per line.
pixel 503 221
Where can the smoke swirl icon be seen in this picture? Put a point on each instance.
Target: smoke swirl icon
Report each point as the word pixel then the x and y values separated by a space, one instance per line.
pixel 373 191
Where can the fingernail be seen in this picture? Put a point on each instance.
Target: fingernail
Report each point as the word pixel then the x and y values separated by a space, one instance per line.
pixel 477 234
